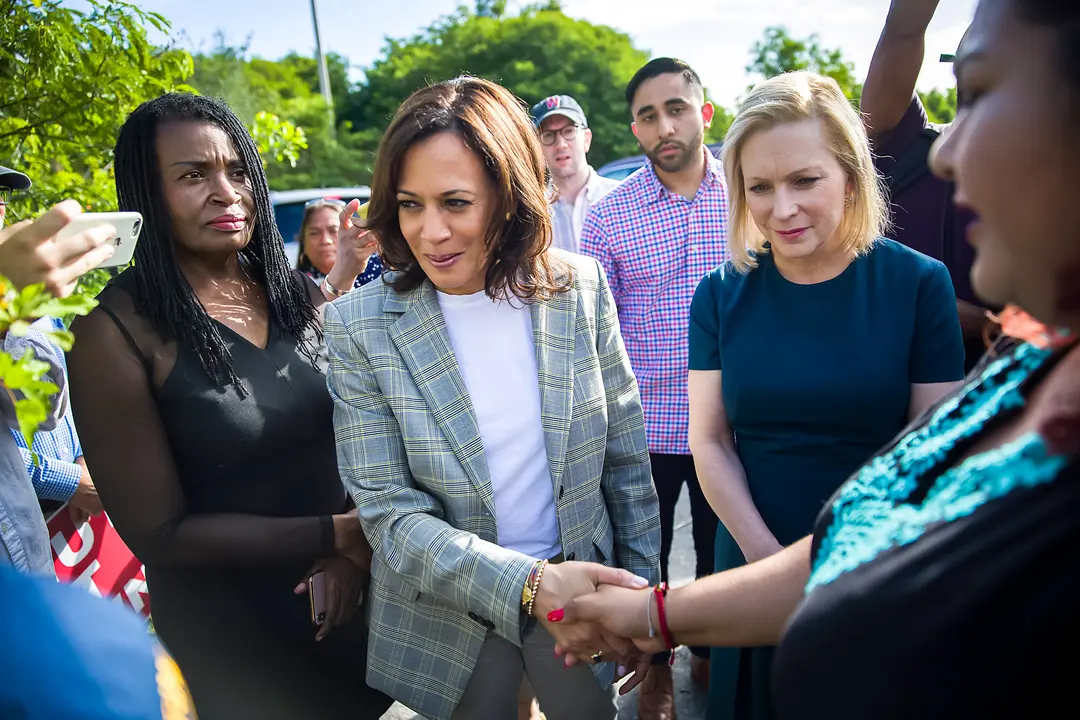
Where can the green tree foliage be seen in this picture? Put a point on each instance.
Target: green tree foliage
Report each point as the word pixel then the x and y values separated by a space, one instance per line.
pixel 289 91
pixel 940 106
pixel 68 79
pixel 778 53
pixel 721 121
pixel 536 53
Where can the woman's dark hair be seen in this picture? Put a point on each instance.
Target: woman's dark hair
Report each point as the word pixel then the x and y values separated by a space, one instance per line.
pixel 1064 17
pixel 303 262
pixel 494 125
pixel 162 293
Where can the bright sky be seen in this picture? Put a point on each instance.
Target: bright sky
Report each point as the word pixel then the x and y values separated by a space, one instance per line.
pixel 714 36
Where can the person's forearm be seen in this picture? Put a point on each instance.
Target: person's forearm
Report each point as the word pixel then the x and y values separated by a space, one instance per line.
pixel 745 607
pixel 910 18
pixel 973 320
pixel 53 479
pixel 895 65
pixel 341 280
pixel 723 482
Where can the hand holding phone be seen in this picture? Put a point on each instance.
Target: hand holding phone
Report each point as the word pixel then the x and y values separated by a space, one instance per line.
pixel 127 227
pixel 335 589
pixel 317 597
pixel 45 251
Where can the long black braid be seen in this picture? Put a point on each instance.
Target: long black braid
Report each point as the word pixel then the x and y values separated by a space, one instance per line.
pixel 162 293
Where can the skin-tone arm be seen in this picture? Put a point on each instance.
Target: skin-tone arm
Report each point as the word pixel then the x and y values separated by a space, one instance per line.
pixel 745 607
pixel 895 66
pixel 923 395
pixel 355 244
pixel 973 320
pixel 887 92
pixel 723 480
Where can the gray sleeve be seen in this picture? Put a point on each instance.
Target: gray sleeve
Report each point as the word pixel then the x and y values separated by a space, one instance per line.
pixel 47 352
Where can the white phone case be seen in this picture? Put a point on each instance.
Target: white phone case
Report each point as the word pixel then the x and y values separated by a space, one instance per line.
pixel 128 227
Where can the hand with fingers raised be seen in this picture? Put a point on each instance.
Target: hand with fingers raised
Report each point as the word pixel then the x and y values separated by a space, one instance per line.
pixel 31 253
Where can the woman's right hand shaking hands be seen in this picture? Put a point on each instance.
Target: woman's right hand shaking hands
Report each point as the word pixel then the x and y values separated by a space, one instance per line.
pixel 621 611
pixel 586 639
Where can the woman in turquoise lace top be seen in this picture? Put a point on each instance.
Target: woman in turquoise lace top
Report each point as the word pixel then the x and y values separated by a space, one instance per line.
pixel 942 580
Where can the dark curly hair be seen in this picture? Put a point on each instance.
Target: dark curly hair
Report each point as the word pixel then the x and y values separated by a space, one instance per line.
pixel 494 125
pixel 162 294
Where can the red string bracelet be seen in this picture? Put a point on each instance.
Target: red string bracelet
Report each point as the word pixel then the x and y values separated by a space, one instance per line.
pixel 661 614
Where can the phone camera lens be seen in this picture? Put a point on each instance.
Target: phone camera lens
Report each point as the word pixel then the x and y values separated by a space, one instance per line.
pixel 135 228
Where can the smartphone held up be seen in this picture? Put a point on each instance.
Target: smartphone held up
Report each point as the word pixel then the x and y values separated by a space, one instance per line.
pixel 127 225
pixel 317 597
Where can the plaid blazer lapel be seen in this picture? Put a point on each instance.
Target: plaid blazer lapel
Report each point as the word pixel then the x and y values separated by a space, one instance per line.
pixel 554 324
pixel 421 337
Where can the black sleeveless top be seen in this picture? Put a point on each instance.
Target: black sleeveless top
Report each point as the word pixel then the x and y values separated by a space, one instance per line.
pixel 944 590
pixel 257 472
pixel 227 498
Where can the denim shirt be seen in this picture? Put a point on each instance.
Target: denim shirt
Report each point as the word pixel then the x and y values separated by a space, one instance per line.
pixel 24 539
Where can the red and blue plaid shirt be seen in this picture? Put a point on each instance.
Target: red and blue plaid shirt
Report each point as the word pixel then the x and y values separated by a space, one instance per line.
pixel 655 246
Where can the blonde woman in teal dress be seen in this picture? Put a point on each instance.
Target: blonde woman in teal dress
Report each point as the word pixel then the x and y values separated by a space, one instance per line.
pixel 828 338
pixel 942 579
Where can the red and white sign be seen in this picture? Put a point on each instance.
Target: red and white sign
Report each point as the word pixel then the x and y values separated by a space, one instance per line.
pixel 93 556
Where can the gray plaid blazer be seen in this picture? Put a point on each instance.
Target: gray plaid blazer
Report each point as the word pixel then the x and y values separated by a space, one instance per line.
pixel 410 454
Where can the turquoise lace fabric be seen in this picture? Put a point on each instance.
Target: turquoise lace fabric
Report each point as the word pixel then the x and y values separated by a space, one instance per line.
pixel 874 511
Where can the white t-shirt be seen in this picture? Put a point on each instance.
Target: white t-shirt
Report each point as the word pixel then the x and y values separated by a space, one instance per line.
pixel 493 342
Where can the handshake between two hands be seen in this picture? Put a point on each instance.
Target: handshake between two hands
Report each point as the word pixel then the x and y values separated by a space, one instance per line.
pixel 599 614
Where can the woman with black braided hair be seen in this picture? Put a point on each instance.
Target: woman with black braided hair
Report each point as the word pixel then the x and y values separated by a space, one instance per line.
pixel 199 387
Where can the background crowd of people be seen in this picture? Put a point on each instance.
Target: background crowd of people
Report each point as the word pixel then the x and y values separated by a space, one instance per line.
pixel 461 424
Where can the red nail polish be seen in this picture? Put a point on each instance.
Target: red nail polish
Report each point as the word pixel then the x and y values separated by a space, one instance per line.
pixel 556 615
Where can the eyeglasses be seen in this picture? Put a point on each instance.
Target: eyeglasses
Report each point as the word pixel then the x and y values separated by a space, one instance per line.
pixel 569 132
pixel 5 195
pixel 336 202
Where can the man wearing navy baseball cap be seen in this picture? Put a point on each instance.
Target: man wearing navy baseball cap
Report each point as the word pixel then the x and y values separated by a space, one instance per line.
pixel 10 181
pixel 566 138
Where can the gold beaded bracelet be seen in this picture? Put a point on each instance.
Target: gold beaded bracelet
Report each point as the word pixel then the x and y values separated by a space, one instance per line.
pixel 526 589
pixel 535 587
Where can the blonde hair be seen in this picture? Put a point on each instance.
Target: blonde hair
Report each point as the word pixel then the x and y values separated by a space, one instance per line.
pixel 795 97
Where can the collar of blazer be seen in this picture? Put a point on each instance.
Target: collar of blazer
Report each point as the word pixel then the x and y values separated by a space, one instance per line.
pixel 421 337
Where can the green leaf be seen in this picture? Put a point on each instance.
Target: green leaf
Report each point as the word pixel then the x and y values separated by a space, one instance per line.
pixel 63 339
pixel 19 328
pixel 31 414
pixel 59 307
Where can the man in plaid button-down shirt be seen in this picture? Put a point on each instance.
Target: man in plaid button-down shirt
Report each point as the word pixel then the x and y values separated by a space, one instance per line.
pixel 656 236
pixel 59 475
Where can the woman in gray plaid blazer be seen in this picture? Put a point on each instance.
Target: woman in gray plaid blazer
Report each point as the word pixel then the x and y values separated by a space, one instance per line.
pixel 487 422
